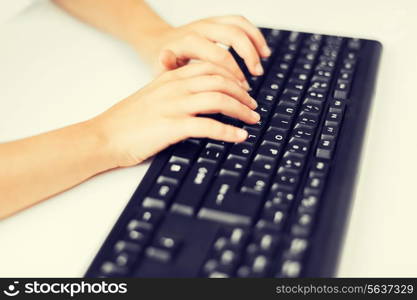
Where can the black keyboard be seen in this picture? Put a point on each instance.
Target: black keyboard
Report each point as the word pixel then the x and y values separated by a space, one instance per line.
pixel 273 206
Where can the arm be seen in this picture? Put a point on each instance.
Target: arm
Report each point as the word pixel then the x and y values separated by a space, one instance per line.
pixel 130 20
pixel 35 168
pixel 38 167
pixel 166 47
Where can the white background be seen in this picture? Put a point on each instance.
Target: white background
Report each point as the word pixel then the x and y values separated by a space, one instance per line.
pixel 56 71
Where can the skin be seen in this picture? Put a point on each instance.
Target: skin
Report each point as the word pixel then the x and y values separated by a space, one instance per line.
pixel 168 106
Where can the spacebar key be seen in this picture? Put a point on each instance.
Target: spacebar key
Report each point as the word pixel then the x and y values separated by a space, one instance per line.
pixel 226 205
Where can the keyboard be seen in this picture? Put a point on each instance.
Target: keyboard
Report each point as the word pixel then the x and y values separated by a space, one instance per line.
pixel 275 205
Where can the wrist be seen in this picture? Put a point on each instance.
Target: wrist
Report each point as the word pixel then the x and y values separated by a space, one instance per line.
pixel 99 144
pixel 149 42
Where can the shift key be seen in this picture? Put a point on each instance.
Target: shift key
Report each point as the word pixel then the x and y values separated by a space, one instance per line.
pixel 225 204
pixel 194 187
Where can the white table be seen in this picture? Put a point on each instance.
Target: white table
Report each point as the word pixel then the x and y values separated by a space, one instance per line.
pixel 56 71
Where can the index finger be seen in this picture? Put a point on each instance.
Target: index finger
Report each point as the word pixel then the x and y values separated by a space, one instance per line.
pixel 205 50
pixel 251 30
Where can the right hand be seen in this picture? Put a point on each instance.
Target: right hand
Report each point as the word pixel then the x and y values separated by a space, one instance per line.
pixel 164 113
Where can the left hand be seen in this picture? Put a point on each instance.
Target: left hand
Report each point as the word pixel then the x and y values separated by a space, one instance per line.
pixel 173 47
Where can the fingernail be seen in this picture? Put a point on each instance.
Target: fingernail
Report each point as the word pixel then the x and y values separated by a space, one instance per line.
pixel 242 134
pixel 266 51
pixel 245 85
pixel 258 69
pixel 254 103
pixel 255 115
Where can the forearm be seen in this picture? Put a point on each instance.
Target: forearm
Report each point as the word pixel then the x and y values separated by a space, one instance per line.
pixel 130 20
pixel 39 167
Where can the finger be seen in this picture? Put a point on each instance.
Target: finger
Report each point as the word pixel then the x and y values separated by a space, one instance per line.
pixel 234 36
pixel 194 46
pixel 199 69
pixel 168 60
pixel 216 83
pixel 212 103
pixel 199 127
pixel 251 30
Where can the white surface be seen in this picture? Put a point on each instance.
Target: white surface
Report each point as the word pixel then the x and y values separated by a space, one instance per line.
pixel 55 71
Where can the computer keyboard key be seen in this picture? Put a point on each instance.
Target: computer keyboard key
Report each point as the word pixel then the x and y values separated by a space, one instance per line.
pixel 260 265
pixel 242 149
pixel 258 125
pixel 275 134
pixel 264 164
pixel 186 150
pixel 237 237
pixel 303 225
pixel 229 214
pixel 271 221
pixel 325 148
pixel 235 209
pixel 337 106
pixel 329 132
pixel 138 236
pixel 307 118
pixel 291 96
pixel 161 193
pixel 354 44
pixel 296 248
pixel 163 249
pixel 265 97
pixel 346 75
pixel 228 260
pixel 145 218
pixel 279 200
pixel 253 135
pixel 126 246
pixel 293 161
pixel 110 268
pixel 317 96
pixel 125 259
pixel 287 177
pixel 176 168
pixel 255 183
pixel 286 108
pixel 224 184
pixel 299 146
pixel 303 131
pixel 263 109
pixel 281 121
pixel 213 151
pixel 290 269
pixel 308 204
pixel 235 163
pixel 334 118
pixel 320 166
pixel 194 187
pixel 263 243
pixel 158 254
pixel 270 149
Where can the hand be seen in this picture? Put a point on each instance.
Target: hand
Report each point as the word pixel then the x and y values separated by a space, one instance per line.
pixel 164 112
pixel 176 46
